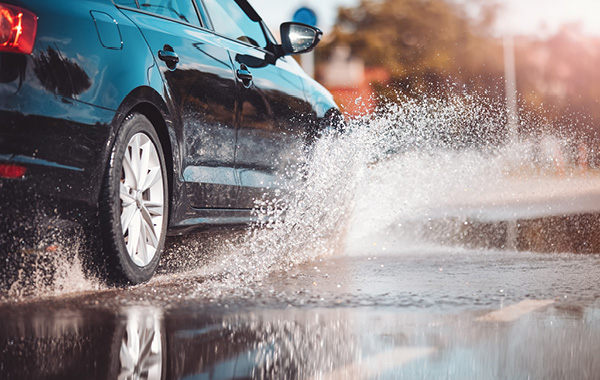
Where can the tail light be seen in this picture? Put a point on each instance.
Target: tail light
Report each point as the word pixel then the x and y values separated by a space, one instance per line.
pixel 17 29
pixel 12 171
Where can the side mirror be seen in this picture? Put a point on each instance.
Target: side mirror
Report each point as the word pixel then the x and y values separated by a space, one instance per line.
pixel 297 38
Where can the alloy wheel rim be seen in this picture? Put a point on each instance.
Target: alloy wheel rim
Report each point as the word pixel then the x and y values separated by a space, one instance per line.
pixel 141 353
pixel 142 199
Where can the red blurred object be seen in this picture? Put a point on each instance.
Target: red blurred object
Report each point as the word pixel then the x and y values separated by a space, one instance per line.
pixel 17 29
pixel 12 171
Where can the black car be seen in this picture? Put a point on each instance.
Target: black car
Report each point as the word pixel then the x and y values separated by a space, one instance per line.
pixel 141 118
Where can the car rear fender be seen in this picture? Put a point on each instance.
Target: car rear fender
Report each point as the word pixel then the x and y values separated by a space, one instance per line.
pixel 148 101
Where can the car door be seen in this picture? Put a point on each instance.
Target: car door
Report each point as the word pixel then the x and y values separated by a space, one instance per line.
pixel 200 81
pixel 272 110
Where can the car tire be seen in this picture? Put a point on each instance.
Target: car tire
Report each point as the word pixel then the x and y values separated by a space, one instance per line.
pixel 134 203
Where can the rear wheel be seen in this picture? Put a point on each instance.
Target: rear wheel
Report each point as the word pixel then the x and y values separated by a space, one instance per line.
pixel 134 206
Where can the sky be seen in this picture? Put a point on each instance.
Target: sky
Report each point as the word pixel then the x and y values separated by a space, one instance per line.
pixel 274 12
pixel 534 17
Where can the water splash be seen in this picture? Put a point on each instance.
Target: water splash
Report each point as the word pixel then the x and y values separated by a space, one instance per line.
pixel 50 267
pixel 403 176
pixel 382 184
pixel 385 167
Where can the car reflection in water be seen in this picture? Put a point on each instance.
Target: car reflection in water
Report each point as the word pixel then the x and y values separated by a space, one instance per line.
pixel 142 349
pixel 83 344
pixel 94 338
pixel 142 343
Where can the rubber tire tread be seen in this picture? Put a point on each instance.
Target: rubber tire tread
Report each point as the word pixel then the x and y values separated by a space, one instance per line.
pixel 119 269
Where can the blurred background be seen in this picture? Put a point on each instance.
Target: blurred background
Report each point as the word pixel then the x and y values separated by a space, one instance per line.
pixel 543 53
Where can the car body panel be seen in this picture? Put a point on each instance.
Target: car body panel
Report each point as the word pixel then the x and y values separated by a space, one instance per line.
pixel 58 108
pixel 272 118
pixel 226 142
pixel 202 89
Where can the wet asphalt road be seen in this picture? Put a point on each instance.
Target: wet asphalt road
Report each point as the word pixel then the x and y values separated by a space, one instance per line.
pixel 428 313
pixel 467 294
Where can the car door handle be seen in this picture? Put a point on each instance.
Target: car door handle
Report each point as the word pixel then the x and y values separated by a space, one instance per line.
pixel 170 57
pixel 244 74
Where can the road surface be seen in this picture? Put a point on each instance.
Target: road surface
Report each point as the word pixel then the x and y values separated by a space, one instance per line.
pixel 474 280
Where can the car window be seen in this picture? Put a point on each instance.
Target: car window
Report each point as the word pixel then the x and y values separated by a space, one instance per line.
pixel 126 3
pixel 231 21
pixel 180 10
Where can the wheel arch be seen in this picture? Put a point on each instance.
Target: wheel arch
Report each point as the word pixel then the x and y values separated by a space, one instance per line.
pixel 146 101
pixel 334 119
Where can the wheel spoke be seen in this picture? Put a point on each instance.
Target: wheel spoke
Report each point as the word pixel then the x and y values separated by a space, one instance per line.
pixel 153 176
pixel 151 234
pixel 127 215
pixel 129 353
pixel 154 208
pixel 153 361
pixel 133 238
pixel 146 346
pixel 126 197
pixel 130 164
pixel 142 251
pixel 127 362
pixel 144 152
pixel 149 227
pixel 125 356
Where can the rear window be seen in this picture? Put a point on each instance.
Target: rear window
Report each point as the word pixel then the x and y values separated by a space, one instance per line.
pixel 180 10
pixel 126 3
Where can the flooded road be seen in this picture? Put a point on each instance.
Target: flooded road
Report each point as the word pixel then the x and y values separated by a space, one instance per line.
pixel 457 302
pixel 392 263
pixel 422 314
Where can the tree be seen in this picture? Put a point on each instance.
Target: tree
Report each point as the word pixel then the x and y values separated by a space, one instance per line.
pixel 421 43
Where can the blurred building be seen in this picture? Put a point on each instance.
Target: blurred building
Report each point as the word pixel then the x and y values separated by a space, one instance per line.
pixel 351 82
